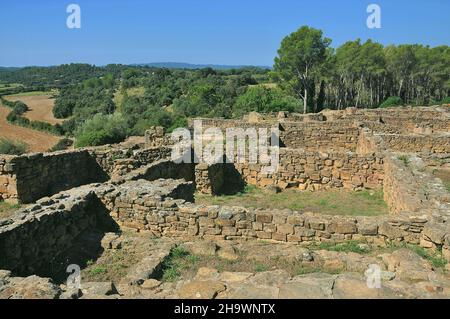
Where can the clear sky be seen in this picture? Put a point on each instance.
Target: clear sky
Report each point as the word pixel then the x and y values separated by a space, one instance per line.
pixel 201 31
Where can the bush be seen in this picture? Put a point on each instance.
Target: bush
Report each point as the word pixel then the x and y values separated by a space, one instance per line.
pixel 102 129
pixel 20 108
pixel 264 100
pixel 62 145
pixel 446 100
pixel 392 101
pixel 12 147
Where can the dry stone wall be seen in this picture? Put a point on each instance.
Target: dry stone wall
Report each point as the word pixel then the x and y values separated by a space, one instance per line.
pixel 318 171
pixel 32 239
pixel 30 177
pixel 338 136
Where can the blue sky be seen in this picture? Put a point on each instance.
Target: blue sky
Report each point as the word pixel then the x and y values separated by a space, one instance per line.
pixel 201 31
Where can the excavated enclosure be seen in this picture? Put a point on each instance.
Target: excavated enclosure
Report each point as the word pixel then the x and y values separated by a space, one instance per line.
pixel 139 188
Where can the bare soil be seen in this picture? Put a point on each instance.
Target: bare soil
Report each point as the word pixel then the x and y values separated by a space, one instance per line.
pixel 41 108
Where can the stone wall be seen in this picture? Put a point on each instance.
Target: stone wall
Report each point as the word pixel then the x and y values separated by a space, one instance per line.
pixel 29 177
pixel 178 218
pixel 32 239
pixel 317 171
pixel 336 136
pixel 417 143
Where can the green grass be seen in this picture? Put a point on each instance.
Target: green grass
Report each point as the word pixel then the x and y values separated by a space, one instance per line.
pixel 348 246
pixel 6 209
pixel 261 268
pixel 436 259
pixel 333 202
pixel 404 159
pixel 31 93
pixel 98 270
pixel 178 259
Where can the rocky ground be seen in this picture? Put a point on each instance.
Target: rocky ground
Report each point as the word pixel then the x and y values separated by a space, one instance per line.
pixel 132 265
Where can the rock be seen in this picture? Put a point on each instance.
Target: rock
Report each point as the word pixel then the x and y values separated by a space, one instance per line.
pixel 311 286
pixel 108 240
pixel 436 232
pixel 254 117
pixel 270 278
pixel 354 286
pixel 148 266
pixel 387 275
pixel 150 284
pixel 205 273
pixel 272 189
pixel 74 293
pixel 228 253
pixel 98 288
pixel 307 256
pixel 201 289
pixel 250 291
pixel 342 227
pixel 202 248
pixel 408 265
pixel 229 277
pixel 32 287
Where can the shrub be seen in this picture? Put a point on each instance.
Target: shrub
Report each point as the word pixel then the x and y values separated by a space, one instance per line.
pixel 12 147
pixel 62 144
pixel 446 100
pixel 264 100
pixel 101 129
pixel 20 107
pixel 392 101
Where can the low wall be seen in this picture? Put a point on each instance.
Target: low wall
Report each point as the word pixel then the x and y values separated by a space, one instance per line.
pixel 417 143
pixel 178 218
pixel 30 177
pixel 316 171
pixel 35 236
pixel 336 136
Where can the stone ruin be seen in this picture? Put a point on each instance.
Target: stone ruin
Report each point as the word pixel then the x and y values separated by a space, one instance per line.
pixel 135 185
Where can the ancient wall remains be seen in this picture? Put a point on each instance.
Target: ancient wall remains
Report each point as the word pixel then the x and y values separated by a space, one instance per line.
pixel 31 240
pixel 337 136
pixel 29 177
pixel 318 171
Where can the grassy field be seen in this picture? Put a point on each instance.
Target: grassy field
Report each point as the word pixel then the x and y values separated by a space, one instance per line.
pixel 7 210
pixel 6 87
pixel 31 93
pixel 333 202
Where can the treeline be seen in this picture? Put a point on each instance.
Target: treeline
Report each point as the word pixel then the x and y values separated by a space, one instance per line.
pixel 143 97
pixel 44 78
pixel 360 74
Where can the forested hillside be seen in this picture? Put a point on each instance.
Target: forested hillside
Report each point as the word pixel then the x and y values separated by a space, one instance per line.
pixel 106 104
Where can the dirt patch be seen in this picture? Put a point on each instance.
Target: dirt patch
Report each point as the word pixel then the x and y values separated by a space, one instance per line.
pixel 36 140
pixel 41 108
pixel 7 210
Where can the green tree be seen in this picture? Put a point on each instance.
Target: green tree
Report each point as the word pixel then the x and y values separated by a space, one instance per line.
pixel 300 59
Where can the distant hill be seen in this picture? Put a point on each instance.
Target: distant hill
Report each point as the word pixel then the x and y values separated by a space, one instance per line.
pixel 179 65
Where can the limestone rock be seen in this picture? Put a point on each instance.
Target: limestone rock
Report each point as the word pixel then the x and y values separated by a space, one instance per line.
pixel 311 286
pixel 354 286
pixel 150 284
pixel 98 288
pixel 201 289
pixel 408 265
pixel 32 287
